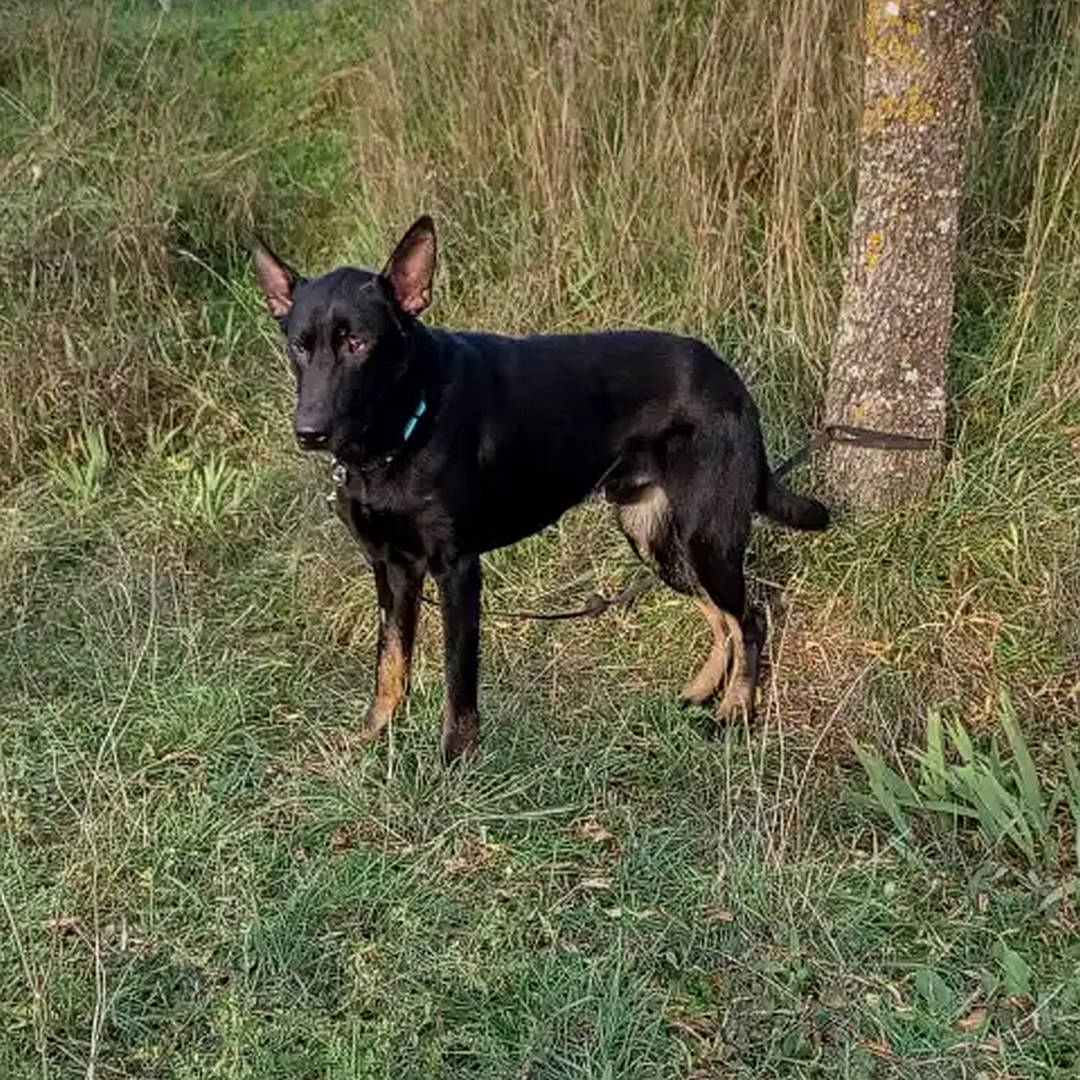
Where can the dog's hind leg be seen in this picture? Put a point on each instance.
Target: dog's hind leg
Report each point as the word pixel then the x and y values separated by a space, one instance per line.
pixel 713 672
pixel 719 567
pixel 398 588
pixel 646 519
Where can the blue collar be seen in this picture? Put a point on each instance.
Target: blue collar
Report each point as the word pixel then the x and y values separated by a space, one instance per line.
pixel 410 424
pixel 340 471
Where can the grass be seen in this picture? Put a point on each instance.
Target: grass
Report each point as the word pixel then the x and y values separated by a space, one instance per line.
pixel 199 877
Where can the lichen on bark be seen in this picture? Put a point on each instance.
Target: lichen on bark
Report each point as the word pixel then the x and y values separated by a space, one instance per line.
pixel 887 369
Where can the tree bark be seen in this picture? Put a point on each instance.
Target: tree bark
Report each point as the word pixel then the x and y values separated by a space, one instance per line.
pixel 887 369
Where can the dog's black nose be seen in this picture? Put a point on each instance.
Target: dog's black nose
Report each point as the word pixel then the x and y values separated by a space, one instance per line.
pixel 311 438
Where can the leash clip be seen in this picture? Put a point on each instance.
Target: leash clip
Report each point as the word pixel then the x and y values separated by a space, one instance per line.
pixel 339 474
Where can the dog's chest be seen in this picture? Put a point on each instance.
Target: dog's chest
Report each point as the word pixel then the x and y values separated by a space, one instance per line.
pixel 387 518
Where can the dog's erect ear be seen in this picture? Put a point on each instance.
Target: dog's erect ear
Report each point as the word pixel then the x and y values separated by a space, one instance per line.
pixel 412 266
pixel 276 278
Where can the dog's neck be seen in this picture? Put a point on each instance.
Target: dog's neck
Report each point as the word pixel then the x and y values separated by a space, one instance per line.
pixel 403 417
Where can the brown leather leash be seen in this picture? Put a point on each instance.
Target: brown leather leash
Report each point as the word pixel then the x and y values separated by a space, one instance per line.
pixel 845 434
pixel 851 435
pixel 595 605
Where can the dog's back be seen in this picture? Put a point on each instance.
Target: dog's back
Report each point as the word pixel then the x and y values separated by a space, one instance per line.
pixel 586 409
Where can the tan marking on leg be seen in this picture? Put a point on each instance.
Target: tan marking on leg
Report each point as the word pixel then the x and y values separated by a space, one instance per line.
pixel 706 682
pixel 391 683
pixel 739 692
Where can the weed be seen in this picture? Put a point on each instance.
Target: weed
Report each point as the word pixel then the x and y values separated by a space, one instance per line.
pixel 998 793
pixel 79 475
pixel 213 491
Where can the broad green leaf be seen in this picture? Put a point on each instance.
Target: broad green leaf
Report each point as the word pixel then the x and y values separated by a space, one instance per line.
pixel 1031 789
pixel 1005 812
pixel 934 759
pixel 877 772
pixel 935 992
pixel 962 741
pixel 1015 972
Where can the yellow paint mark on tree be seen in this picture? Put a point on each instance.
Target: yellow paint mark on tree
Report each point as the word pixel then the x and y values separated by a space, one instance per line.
pixel 889 28
pixel 911 108
pixel 875 244
pixel 893 28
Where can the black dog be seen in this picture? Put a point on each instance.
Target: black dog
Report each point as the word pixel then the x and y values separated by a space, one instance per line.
pixel 450 444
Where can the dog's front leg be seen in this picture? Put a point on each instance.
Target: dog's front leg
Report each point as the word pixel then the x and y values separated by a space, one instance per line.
pixel 398 588
pixel 459 588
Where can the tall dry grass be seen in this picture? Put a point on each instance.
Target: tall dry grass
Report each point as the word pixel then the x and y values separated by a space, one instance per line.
pixel 660 163
pixel 686 165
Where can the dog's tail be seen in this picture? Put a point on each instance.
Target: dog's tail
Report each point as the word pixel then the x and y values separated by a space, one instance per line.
pixel 787 508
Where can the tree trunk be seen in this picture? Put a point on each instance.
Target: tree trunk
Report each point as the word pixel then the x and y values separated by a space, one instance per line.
pixel 887 370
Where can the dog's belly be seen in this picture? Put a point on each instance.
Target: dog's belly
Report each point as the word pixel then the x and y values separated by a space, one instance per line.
pixel 510 515
pixel 534 487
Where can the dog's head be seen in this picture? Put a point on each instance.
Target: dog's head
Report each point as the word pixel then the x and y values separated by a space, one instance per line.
pixel 347 335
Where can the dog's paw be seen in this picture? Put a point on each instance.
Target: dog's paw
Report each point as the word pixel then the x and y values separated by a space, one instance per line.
pixel 695 695
pixel 375 721
pixel 460 737
pixel 737 702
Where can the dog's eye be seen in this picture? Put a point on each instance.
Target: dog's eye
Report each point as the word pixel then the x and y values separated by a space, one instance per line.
pixel 355 345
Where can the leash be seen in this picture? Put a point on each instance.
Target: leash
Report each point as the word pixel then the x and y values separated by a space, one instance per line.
pixel 597 604
pixel 594 606
pixel 850 435
pixel 846 434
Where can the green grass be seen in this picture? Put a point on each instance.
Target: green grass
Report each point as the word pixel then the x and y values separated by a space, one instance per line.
pixel 200 876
